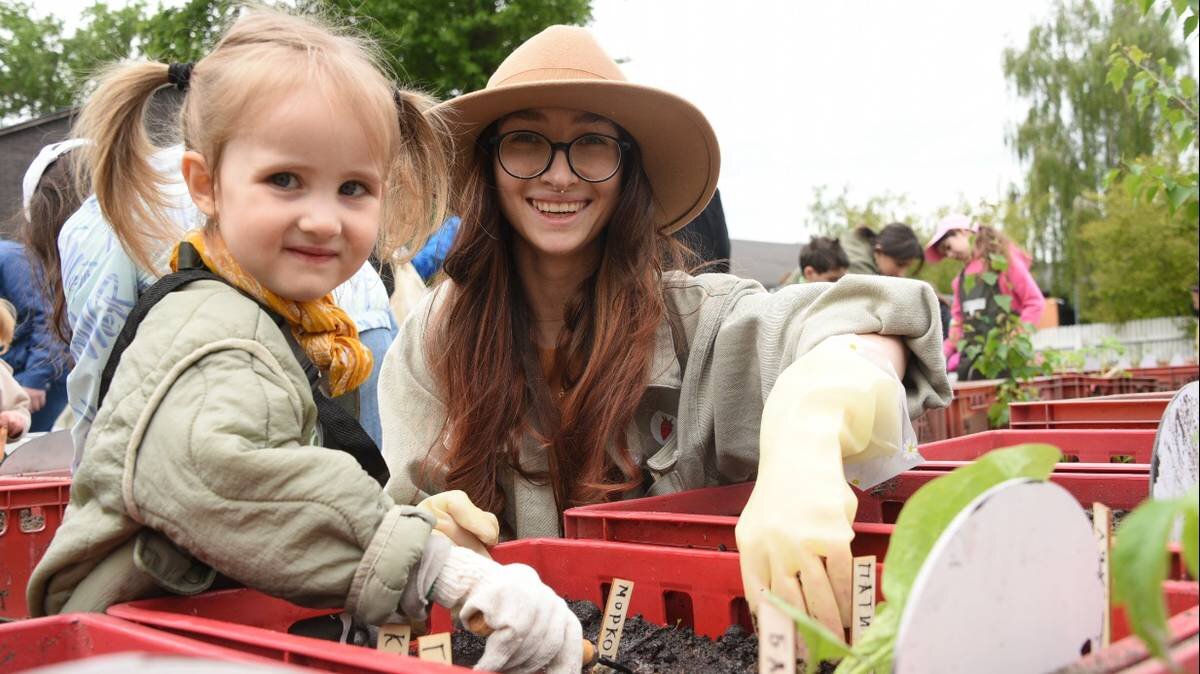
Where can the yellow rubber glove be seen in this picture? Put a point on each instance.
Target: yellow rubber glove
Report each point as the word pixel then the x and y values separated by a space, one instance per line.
pixel 462 521
pixel 839 400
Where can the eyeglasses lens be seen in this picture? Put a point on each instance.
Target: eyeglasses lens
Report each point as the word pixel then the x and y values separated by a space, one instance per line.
pixel 593 157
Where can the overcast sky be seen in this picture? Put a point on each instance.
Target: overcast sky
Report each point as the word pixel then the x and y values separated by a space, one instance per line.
pixel 879 96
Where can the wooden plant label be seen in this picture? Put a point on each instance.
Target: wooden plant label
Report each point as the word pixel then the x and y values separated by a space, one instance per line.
pixel 394 638
pixel 776 640
pixel 619 596
pixel 863 612
pixel 435 648
pixel 1102 526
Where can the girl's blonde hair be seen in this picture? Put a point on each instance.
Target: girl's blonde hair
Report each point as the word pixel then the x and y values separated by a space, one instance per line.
pixel 263 55
pixel 8 324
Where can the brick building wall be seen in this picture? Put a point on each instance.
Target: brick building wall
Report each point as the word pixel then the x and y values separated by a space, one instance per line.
pixel 19 144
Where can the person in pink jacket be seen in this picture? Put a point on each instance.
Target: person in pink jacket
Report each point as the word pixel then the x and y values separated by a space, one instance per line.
pixel 959 238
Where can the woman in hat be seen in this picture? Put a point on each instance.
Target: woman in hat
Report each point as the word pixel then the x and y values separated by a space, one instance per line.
pixel 565 363
pixel 983 250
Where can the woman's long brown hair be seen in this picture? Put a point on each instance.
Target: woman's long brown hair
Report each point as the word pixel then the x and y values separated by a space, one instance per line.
pixel 484 357
pixel 54 201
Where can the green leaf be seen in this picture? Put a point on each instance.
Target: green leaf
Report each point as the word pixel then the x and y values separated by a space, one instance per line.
pixel 969 283
pixel 1117 72
pixel 1146 5
pixel 928 511
pixel 990 277
pixel 1111 177
pixel 873 652
pixel 1139 566
pixel 1191 531
pixel 1178 195
pixel 999 261
pixel 822 644
pixel 1189 26
pixel 1005 302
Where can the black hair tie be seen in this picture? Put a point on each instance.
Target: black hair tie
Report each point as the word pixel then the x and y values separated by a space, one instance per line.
pixel 178 75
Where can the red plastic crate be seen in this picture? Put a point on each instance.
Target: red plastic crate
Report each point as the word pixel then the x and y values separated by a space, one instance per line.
pixel 971 400
pixel 26 644
pixel 1088 446
pixel 31 510
pixel 706 518
pixel 1169 378
pixel 1128 651
pixel 932 425
pixel 701 589
pixel 1107 413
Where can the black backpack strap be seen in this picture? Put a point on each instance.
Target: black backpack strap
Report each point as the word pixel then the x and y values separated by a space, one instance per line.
pixel 340 429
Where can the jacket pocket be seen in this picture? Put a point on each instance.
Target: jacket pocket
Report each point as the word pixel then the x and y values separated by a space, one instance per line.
pixel 171 568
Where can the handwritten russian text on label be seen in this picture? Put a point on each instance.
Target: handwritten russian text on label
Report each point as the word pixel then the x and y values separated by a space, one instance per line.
pixel 1102 526
pixel 863 609
pixel 776 640
pixel 394 638
pixel 619 596
pixel 435 647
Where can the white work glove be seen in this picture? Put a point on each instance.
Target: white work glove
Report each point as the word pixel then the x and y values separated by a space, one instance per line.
pixel 462 521
pixel 532 628
pixel 840 400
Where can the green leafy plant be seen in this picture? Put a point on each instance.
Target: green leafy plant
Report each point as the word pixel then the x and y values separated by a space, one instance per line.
pixel 921 522
pixel 1004 350
pixel 1140 561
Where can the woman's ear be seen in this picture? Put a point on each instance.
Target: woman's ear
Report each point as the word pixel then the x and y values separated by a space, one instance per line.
pixel 201 182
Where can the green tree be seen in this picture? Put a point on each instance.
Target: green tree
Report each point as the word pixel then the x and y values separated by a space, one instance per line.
pixel 453 47
pixel 1141 260
pixel 1077 127
pixel 833 215
pixel 445 47
pixel 41 69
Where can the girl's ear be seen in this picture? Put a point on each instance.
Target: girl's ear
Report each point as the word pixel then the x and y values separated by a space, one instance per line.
pixel 201 183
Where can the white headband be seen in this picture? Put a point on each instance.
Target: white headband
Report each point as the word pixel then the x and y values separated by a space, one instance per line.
pixel 46 157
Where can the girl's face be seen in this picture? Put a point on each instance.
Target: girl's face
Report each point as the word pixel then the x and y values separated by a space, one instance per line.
pixel 890 266
pixel 956 245
pixel 557 213
pixel 298 196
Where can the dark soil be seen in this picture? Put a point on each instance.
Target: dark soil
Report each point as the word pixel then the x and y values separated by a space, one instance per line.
pixel 647 648
pixel 1117 516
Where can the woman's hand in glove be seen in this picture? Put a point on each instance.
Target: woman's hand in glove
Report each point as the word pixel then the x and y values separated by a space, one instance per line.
pixel 463 522
pixel 838 400
pixel 533 629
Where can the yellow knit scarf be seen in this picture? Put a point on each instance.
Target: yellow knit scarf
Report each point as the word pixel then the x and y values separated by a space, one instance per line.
pixel 322 328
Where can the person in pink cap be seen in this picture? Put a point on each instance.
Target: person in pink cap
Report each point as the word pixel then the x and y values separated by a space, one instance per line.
pixel 958 237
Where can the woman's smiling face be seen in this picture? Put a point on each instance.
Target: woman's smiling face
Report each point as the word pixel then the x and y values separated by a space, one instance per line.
pixel 557 213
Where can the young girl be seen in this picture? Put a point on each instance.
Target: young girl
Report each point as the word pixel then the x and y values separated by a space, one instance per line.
pixel 890 252
pixel 205 458
pixel 14 401
pixel 959 238
pixel 562 364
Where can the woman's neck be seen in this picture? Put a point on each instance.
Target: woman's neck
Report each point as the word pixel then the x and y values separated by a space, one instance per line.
pixel 550 281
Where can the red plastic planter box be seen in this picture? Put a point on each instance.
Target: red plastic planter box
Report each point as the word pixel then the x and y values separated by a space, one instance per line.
pixel 1107 413
pixel 1169 378
pixel 705 518
pixel 26 644
pixel 31 510
pixel 1088 446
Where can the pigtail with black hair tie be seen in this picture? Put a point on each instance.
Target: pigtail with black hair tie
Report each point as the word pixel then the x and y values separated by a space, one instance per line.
pixel 179 74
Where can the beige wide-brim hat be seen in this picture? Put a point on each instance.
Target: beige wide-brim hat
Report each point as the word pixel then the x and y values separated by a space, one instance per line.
pixel 564 67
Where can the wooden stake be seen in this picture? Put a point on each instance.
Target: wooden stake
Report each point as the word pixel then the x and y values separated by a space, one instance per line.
pixel 776 640
pixel 1102 526
pixel 394 638
pixel 864 596
pixel 435 648
pixel 619 596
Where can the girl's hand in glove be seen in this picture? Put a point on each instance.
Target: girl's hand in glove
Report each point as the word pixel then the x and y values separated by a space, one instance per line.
pixel 462 521
pixel 533 630
pixel 838 400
